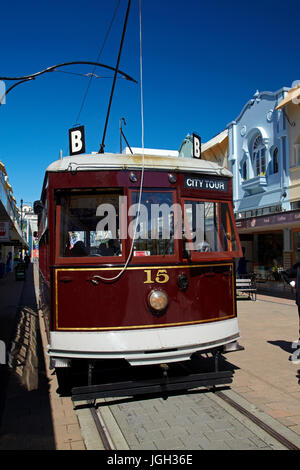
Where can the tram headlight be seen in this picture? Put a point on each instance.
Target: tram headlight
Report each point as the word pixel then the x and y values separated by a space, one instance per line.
pixel 158 300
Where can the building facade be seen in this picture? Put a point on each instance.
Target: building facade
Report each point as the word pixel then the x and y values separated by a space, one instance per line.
pixel 29 228
pixel 290 106
pixel 11 237
pixel 260 158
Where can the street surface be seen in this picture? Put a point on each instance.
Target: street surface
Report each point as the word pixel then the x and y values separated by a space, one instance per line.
pixel 34 416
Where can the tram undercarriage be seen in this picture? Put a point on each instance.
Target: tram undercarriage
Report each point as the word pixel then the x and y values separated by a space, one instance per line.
pixel 92 379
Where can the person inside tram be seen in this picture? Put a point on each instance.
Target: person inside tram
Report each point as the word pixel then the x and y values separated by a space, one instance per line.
pixel 109 249
pixel 79 249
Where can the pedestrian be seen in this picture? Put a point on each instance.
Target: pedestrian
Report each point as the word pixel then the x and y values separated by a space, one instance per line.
pixel 27 259
pixel 242 266
pixel 294 273
pixel 9 262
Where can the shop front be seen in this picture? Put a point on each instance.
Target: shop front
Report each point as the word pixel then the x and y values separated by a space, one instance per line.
pixel 270 243
pixel 296 245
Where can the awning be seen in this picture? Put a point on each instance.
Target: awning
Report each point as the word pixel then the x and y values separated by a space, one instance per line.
pixel 294 93
pixel 218 139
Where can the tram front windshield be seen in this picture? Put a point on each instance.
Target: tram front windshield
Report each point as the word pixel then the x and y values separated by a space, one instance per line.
pixel 89 225
pixel 98 224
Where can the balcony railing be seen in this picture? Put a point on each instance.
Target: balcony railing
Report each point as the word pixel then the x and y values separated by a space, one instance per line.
pixel 255 184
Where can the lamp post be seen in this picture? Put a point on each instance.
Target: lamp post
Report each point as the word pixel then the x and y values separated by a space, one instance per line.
pixel 22 217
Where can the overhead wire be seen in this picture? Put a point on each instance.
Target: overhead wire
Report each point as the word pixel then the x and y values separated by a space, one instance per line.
pixel 98 57
pixel 89 74
pixel 143 157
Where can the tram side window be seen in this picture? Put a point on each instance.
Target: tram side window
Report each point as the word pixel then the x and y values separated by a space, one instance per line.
pixel 44 254
pixel 227 234
pixel 155 225
pixel 90 225
pixel 201 229
pixel 208 227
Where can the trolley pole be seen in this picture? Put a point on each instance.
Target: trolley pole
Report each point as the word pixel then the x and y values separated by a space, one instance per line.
pixel 101 150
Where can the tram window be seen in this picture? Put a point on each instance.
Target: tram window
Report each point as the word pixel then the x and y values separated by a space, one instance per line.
pixel 208 227
pixel 155 227
pixel 228 237
pixel 90 225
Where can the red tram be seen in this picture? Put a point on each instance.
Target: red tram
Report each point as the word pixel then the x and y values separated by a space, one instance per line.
pixel 136 258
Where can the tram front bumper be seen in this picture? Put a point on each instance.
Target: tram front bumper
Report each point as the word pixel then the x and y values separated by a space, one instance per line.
pixel 143 346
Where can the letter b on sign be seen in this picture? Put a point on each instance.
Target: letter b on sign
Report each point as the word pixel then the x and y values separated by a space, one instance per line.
pixel 77 140
pixel 196 146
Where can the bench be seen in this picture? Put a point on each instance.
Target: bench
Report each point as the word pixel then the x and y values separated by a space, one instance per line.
pixel 247 286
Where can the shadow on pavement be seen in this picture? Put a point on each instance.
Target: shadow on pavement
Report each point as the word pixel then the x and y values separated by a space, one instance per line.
pixel 284 345
pixel 25 411
pixel 278 293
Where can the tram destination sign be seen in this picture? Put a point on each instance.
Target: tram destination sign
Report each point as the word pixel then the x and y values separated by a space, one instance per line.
pixel 206 183
pixel 77 140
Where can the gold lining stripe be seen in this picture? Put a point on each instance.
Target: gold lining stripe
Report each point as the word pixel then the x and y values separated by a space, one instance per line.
pixel 103 328
pixel 143 267
pixel 139 326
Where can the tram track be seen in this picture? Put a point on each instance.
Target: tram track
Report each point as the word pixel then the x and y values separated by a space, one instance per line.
pixel 257 421
pixel 107 432
pixel 102 430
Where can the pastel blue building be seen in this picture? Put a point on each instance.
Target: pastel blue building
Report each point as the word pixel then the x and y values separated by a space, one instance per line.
pixel 258 156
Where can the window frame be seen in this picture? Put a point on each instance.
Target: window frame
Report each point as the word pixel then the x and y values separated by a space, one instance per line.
pixel 149 259
pixel 87 260
pixel 217 255
pixel 259 156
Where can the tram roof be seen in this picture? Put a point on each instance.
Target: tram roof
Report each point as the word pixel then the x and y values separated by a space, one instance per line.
pixel 112 161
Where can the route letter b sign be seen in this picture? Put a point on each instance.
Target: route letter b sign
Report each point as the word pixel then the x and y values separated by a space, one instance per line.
pixel 77 140
pixel 196 146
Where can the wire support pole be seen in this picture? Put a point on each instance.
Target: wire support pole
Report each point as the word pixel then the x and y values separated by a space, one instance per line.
pixel 123 135
pixel 101 150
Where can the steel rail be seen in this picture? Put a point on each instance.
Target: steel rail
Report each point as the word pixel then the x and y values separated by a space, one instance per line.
pixel 105 437
pixel 103 433
pixel 277 436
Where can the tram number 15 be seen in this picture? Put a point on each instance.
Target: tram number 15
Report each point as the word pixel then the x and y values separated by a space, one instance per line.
pixel 161 276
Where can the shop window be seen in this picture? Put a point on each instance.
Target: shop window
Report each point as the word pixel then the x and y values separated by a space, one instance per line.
pixel 269 253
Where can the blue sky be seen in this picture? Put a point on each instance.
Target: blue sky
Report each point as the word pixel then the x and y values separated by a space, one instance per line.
pixel 202 61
